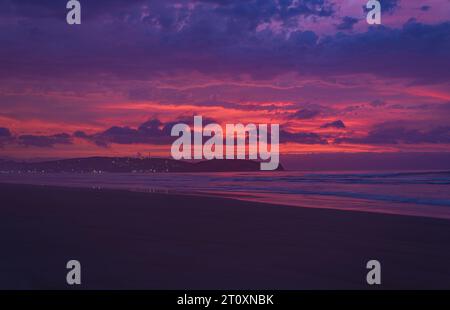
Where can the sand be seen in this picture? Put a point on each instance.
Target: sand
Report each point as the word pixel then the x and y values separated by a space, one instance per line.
pixel 130 240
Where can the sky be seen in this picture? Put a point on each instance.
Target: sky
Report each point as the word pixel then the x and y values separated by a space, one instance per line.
pixel 117 83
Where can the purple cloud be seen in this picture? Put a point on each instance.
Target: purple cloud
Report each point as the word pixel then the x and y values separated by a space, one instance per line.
pixel 156 132
pixel 52 8
pixel 336 124
pixel 217 38
pixel 34 140
pixel 388 6
pixel 44 141
pixel 377 103
pixel 301 137
pixel 305 114
pixel 347 23
pixel 391 134
pixel 127 135
pixel 152 131
pixel 5 136
pixel 5 133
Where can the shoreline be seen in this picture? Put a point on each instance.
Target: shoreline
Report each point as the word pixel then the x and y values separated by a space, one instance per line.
pixel 422 194
pixel 138 240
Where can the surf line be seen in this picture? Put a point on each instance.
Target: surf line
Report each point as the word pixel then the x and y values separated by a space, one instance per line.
pixel 257 148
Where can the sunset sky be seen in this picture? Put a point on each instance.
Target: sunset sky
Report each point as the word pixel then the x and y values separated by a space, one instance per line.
pixel 116 84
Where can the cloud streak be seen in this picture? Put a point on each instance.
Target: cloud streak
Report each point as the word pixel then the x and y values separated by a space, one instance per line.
pixel 392 134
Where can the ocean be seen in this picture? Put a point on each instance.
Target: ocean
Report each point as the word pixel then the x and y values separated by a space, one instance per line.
pixel 416 193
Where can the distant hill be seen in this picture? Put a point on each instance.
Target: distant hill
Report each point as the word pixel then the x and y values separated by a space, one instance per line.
pixel 128 164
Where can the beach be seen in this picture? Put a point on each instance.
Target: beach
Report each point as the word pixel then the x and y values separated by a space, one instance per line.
pixel 136 240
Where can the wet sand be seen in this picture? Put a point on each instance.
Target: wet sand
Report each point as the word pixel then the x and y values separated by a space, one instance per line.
pixel 131 240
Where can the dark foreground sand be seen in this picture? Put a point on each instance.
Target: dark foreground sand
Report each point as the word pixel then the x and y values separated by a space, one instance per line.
pixel 157 241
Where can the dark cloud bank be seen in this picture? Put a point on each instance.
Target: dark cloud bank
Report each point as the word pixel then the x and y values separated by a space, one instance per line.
pixel 158 133
pixel 213 37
